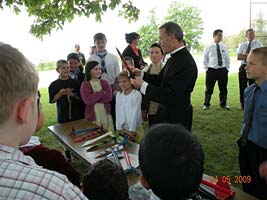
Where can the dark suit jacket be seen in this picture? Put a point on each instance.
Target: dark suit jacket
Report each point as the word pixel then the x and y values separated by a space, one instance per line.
pixel 172 88
pixel 138 60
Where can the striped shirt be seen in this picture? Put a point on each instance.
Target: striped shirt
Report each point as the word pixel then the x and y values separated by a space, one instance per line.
pixel 22 178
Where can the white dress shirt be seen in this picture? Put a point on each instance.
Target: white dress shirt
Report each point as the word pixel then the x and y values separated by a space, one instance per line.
pixel 211 58
pixel 112 67
pixel 243 47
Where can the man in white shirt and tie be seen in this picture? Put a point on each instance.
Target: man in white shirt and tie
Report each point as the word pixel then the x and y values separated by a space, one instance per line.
pixel 243 52
pixel 216 63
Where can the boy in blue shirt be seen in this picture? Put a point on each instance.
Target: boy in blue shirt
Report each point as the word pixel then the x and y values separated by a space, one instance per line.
pixel 253 141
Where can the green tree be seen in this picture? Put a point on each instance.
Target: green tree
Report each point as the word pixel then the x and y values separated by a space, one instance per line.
pixel 148 33
pixel 233 41
pixel 188 17
pixel 260 27
pixel 52 14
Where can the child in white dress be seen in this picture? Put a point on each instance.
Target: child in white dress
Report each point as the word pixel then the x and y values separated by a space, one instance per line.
pixel 128 109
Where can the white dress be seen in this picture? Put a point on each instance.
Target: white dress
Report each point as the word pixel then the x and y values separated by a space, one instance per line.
pixel 128 113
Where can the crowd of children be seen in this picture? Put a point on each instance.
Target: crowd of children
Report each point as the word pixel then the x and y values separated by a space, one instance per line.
pixel 92 95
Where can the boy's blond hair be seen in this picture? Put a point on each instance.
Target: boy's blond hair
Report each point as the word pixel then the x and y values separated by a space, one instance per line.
pixel 18 79
pixel 123 74
pixel 60 63
pixel 261 52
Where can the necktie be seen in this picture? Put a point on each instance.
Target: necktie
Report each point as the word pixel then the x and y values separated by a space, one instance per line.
pixel 249 47
pixel 244 136
pixel 102 58
pixel 219 55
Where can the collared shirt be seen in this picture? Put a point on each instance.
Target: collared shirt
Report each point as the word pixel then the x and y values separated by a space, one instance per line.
pixel 112 67
pixel 257 133
pixel 145 84
pixel 211 58
pixel 243 47
pixel 74 74
pixel 22 178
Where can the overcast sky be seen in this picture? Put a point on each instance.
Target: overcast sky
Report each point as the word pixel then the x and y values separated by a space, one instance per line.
pixel 229 15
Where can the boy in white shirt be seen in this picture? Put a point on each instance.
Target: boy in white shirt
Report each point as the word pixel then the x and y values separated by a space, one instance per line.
pixel 216 63
pixel 109 66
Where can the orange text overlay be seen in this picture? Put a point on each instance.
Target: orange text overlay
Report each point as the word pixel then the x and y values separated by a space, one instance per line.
pixel 230 180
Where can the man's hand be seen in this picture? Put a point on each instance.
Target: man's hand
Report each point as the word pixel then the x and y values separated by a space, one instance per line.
pixel 136 71
pixel 137 82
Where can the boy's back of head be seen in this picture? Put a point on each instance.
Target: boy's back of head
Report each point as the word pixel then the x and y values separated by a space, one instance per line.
pixel 105 180
pixel 172 162
pixel 18 79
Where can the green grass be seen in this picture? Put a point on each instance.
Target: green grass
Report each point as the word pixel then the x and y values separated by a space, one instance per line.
pixel 44 66
pixel 217 129
pixel 50 119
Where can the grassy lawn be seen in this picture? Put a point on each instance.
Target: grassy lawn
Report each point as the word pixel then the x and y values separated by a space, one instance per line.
pixel 217 129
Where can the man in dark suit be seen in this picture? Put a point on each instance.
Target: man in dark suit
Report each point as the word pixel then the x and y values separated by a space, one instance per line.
pixel 173 86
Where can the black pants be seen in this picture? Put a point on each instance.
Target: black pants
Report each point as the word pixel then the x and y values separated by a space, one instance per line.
pixel 213 75
pixel 243 83
pixel 250 157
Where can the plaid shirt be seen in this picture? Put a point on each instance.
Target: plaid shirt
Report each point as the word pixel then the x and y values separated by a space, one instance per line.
pixel 22 178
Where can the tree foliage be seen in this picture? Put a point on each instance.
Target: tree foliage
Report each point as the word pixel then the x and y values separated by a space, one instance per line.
pixel 148 33
pixel 53 14
pixel 188 17
pixel 233 41
pixel 260 27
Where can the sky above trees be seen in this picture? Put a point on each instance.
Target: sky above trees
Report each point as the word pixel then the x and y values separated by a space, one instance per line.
pixel 229 15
